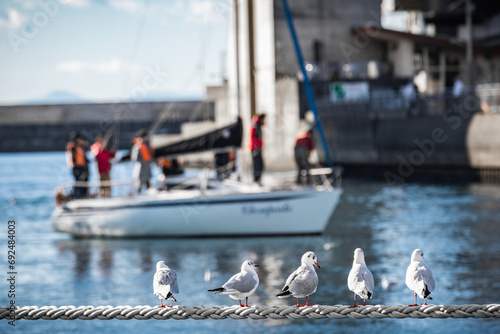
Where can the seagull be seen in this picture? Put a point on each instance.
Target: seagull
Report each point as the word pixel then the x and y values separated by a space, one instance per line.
pixel 303 281
pixel 241 285
pixel 165 283
pixel 419 277
pixel 360 279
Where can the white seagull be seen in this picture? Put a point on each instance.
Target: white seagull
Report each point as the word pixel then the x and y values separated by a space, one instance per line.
pixel 165 283
pixel 303 282
pixel 360 279
pixel 241 285
pixel 419 277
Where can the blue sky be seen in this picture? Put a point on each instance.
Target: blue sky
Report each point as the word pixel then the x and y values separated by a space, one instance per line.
pixel 97 50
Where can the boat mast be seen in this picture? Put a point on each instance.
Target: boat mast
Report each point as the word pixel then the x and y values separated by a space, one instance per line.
pixel 309 92
pixel 238 102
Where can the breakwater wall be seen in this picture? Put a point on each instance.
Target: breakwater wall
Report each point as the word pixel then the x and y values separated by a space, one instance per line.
pixel 33 128
pixel 451 146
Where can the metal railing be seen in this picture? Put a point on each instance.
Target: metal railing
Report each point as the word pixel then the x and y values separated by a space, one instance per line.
pixel 95 189
pixel 393 104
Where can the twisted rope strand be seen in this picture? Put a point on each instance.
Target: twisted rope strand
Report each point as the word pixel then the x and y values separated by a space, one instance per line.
pixel 146 312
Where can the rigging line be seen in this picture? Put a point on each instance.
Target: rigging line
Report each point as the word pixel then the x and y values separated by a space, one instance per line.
pixel 170 107
pixel 205 36
pixel 205 42
pixel 204 55
pixel 127 78
pixel 135 43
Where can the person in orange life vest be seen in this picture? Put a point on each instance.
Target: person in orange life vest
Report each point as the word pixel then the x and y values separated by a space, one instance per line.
pixel 143 154
pixel 76 159
pixel 102 156
pixel 303 147
pixel 256 146
pixel 169 167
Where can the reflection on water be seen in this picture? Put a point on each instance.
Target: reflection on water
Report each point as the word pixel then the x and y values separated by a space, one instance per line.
pixel 457 226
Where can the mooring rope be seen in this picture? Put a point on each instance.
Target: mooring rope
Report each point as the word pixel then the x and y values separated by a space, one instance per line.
pixel 147 312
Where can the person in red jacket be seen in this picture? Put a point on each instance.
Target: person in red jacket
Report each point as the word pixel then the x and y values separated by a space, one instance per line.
pixel 303 147
pixel 256 146
pixel 102 156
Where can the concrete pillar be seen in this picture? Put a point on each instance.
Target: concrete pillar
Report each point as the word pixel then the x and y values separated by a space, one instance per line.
pixel 426 68
pixel 442 70
pixel 402 58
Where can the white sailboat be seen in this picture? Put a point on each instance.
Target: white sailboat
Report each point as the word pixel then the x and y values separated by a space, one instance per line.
pixel 204 207
pixel 201 206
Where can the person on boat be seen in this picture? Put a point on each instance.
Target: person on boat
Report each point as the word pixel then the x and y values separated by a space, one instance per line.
pixel 169 167
pixel 256 144
pixel 102 155
pixel 224 164
pixel 143 154
pixel 304 145
pixel 76 158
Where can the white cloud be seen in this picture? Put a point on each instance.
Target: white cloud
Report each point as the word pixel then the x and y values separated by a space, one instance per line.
pixel 27 4
pixel 11 19
pixel 105 67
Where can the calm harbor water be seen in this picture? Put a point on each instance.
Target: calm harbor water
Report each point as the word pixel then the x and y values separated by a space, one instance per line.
pixel 457 227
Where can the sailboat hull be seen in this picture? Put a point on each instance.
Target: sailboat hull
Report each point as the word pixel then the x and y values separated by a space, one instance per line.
pixel 200 215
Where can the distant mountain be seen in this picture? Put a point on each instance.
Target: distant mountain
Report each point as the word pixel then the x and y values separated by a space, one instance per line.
pixel 60 97
pixel 67 97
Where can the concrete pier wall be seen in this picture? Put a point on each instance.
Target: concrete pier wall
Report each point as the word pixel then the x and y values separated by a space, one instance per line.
pixel 32 128
pixel 405 147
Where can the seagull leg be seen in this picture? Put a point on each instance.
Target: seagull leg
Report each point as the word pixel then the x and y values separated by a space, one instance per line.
pixel 171 301
pixel 161 301
pixel 354 302
pixel 298 305
pixel 246 302
pixel 415 300
pixel 307 302
pixel 240 303
pixel 425 301
pixel 364 302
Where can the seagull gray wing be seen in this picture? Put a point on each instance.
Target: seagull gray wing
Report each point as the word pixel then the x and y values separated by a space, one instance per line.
pixel 360 281
pixel 419 276
pixel 304 282
pixel 427 276
pixel 171 279
pixel 242 282
pixel 293 276
pixel 368 278
pixel 165 281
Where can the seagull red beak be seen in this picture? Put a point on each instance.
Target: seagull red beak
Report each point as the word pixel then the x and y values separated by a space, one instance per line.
pixel 256 265
pixel 317 265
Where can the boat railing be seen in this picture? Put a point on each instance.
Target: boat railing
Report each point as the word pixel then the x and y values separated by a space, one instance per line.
pixel 329 175
pixel 326 177
pixel 96 189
